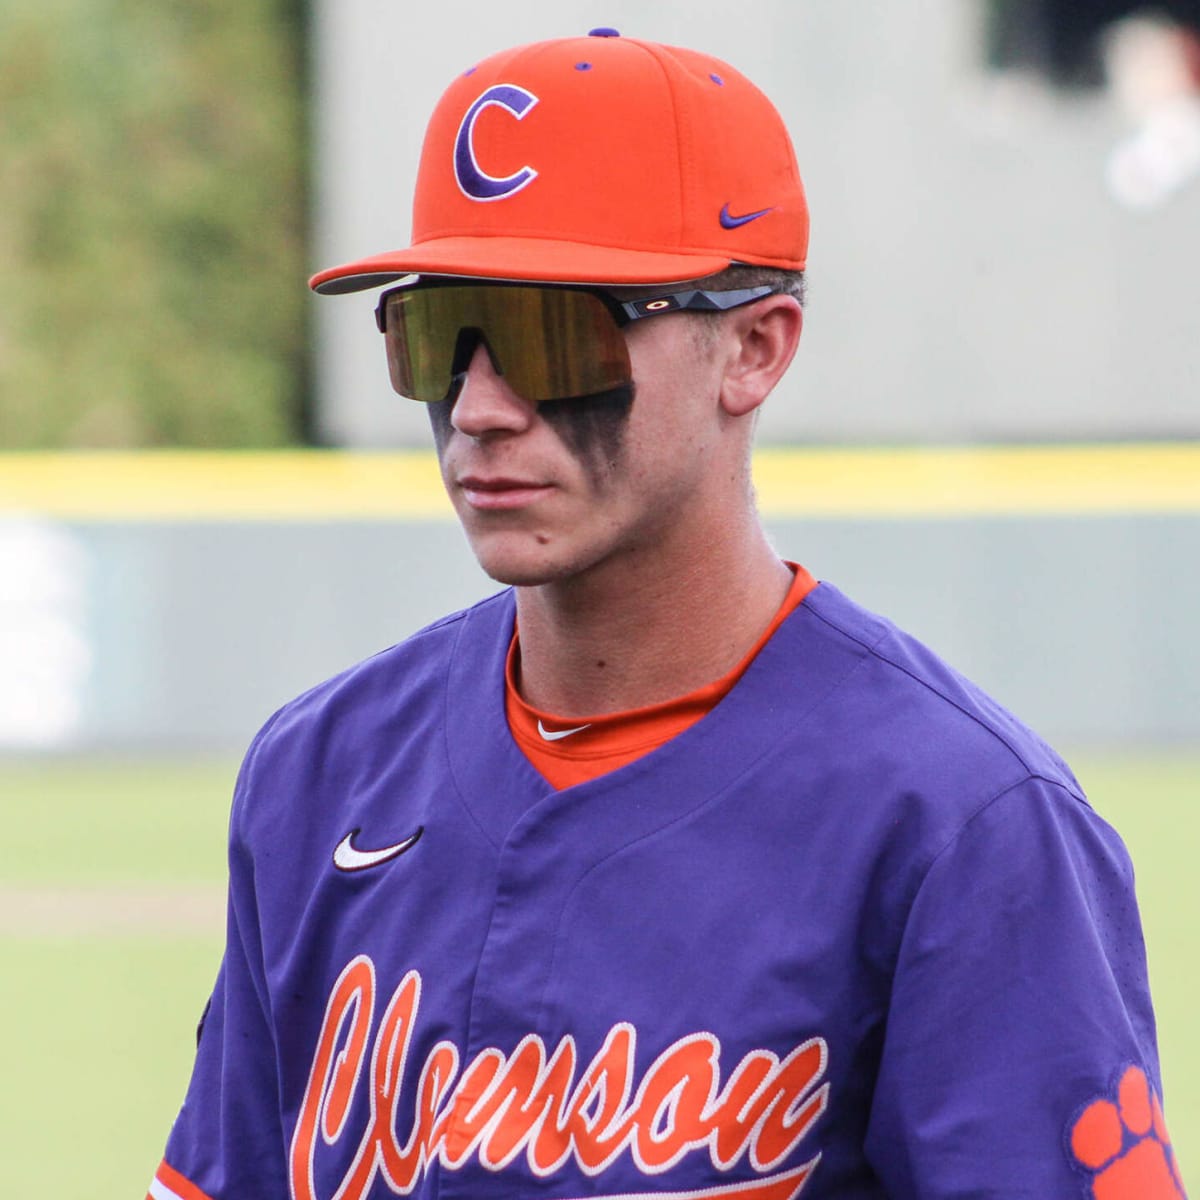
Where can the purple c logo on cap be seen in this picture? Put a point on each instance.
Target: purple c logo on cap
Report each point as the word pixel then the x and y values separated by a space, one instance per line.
pixel 474 181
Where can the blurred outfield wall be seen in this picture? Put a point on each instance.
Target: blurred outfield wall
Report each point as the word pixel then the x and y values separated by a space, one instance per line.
pixel 972 279
pixel 172 601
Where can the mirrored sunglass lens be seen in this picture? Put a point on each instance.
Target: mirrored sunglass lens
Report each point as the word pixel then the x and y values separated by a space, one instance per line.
pixel 549 344
pixel 563 345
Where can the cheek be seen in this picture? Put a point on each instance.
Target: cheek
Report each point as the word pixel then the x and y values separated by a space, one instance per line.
pixel 593 428
pixel 439 422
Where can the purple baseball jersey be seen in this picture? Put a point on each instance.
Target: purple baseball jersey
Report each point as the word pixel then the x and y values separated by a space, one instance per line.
pixel 855 934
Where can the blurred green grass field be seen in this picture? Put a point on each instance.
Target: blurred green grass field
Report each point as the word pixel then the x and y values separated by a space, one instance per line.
pixel 111 934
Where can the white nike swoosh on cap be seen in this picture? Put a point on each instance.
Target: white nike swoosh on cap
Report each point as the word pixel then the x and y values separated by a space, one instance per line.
pixel 549 735
pixel 347 857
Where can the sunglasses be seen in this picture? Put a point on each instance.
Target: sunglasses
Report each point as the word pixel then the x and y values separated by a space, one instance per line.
pixel 549 342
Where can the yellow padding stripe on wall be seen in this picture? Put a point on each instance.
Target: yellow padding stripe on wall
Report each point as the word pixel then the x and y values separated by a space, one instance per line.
pixel 307 485
pixel 980 481
pixel 183 485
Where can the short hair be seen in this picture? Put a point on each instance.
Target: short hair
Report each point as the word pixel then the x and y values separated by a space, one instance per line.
pixel 746 275
pixel 729 279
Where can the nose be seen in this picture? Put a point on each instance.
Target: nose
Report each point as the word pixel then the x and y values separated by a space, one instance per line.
pixel 486 405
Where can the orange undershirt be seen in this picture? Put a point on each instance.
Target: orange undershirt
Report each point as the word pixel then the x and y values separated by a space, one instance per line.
pixel 598 745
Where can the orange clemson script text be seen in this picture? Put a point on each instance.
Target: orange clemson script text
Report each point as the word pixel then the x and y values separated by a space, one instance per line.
pixel 540 1104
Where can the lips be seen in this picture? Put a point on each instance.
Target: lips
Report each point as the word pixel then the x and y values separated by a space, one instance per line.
pixel 501 492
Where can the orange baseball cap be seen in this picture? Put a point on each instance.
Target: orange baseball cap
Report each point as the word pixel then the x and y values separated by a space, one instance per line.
pixel 598 159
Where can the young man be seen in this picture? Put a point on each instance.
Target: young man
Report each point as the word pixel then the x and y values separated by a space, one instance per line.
pixel 666 872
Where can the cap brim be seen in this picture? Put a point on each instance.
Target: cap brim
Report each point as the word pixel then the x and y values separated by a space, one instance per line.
pixel 535 259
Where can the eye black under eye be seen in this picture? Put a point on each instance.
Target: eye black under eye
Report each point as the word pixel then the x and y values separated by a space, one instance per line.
pixel 615 401
pixel 593 426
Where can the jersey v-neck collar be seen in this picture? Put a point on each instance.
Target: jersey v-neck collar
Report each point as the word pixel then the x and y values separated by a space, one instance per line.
pixel 510 802
pixel 583 748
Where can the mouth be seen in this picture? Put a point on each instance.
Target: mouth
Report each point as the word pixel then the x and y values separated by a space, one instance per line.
pixel 501 493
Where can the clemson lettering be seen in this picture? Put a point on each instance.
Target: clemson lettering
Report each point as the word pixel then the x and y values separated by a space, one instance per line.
pixel 539 1103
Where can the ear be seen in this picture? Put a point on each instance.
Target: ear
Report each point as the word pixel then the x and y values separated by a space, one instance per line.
pixel 763 337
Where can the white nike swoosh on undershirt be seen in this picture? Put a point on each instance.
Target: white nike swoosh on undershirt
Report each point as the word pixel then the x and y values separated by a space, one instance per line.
pixel 555 735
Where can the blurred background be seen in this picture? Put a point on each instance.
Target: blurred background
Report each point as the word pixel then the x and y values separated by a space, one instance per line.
pixel 210 499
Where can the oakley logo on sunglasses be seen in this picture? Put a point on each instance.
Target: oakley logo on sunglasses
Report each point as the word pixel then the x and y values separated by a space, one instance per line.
pixel 474 181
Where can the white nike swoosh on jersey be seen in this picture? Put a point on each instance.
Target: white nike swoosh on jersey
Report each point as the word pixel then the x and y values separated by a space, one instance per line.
pixel 347 856
pixel 549 735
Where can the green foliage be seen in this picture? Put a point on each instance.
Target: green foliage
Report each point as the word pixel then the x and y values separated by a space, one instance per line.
pixel 152 216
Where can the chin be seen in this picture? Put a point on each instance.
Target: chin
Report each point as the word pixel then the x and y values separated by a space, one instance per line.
pixel 514 568
pixel 517 577
pixel 523 565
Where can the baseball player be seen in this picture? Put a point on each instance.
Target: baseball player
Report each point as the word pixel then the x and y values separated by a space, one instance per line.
pixel 668 871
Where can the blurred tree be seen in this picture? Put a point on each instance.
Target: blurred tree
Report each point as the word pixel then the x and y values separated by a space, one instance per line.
pixel 152 214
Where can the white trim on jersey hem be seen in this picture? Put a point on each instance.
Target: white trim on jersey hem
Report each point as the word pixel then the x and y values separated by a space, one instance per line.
pixel 160 1191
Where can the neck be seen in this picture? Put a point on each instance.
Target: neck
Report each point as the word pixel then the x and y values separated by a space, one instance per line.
pixel 631 633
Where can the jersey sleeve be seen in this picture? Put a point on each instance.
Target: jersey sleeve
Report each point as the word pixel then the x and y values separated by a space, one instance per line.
pixel 1020 1002
pixel 227 1142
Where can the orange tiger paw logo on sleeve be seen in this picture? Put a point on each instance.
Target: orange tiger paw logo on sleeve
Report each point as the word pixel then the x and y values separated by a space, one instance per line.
pixel 1123 1145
